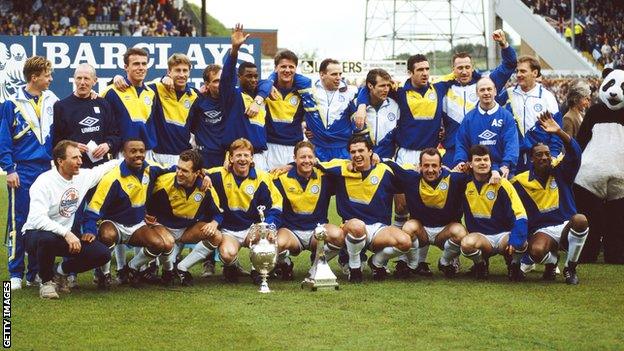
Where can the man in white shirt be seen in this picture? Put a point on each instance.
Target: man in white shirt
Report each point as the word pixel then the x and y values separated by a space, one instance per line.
pixel 54 199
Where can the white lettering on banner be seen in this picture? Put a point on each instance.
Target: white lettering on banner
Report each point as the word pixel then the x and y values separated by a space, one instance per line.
pixel 163 57
pixel 246 56
pixel 218 51
pixel 113 52
pixel 57 54
pixel 85 53
pixel 195 54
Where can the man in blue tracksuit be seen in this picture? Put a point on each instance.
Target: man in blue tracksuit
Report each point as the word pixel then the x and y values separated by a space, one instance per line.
pixel 25 153
pixel 492 126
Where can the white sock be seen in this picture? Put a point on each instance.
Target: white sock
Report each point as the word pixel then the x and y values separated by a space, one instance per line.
pixel 451 250
pixel 422 253
pixel 59 269
pixel 550 258
pixel 411 257
pixel 516 257
pixel 141 258
pixel 576 241
pixel 120 256
pixel 199 253
pixel 476 256
pixel 105 268
pixel 354 247
pixel 283 256
pixel 399 220
pixel 168 258
pixel 381 258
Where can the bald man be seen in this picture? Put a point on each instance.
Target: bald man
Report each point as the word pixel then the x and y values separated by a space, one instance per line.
pixel 87 121
pixel 492 126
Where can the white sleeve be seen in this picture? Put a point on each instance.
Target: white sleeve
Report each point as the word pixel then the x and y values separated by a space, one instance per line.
pixel 95 174
pixel 39 207
pixel 553 106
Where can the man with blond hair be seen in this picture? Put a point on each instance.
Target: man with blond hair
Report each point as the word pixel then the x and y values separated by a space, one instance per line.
pixel 25 153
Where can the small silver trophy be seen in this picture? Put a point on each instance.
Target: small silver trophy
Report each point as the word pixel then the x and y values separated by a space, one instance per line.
pixel 321 275
pixel 263 249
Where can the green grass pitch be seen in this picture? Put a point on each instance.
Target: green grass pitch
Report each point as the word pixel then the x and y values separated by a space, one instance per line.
pixel 417 314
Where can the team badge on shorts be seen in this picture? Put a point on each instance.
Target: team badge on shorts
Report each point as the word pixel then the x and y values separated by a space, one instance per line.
pixel 294 100
pixel 374 180
pixel 391 116
pixel 431 96
pixel 314 189
pixel 443 185
pixel 538 107
pixel 249 189
pixel 147 101
pixel 490 195
pixel 553 184
pixel 145 179
pixel 198 197
pixel 187 104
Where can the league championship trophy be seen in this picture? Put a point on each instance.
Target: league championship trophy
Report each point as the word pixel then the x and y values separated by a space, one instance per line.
pixel 263 249
pixel 321 275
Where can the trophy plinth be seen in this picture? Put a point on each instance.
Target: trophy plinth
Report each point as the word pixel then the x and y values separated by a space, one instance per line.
pixel 263 249
pixel 321 275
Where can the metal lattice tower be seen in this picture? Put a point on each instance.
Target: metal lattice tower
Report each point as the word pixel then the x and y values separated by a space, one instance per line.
pixel 394 27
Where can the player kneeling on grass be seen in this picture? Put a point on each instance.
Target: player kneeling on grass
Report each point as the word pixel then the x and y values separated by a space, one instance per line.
pixel 495 217
pixel 119 203
pixel 364 194
pixel 306 192
pixel 54 199
pixel 434 197
pixel 240 189
pixel 183 211
pixel 546 192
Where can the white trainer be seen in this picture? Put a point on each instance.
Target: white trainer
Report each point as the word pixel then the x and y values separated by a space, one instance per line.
pixel 72 281
pixel 526 268
pixel 36 282
pixel 47 290
pixel 16 283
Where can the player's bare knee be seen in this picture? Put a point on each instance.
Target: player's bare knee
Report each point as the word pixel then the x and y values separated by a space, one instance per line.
pixel 107 234
pixel 469 243
pixel 411 227
pixel 579 223
pixel 356 228
pixel 458 232
pixel 403 242
pixel 537 252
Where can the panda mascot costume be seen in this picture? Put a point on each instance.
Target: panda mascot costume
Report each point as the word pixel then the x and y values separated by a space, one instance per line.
pixel 599 185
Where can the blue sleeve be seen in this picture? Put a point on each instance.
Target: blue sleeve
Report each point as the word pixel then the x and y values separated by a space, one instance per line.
pixel 227 83
pixel 363 96
pixel 501 74
pixel 404 177
pixel 96 209
pixel 512 147
pixel 462 142
pixel 264 88
pixel 6 137
pixel 503 99
pixel 518 235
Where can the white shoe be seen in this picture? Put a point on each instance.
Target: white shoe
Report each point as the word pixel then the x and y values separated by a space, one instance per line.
pixel 16 283
pixel 557 271
pixel 526 268
pixel 47 290
pixel 36 282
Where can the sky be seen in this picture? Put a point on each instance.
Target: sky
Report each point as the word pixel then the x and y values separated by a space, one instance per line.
pixel 302 26
pixel 331 28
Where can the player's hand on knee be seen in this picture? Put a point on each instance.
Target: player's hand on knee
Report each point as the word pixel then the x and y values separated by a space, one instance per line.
pixel 120 83
pixel 87 237
pixel 150 220
pixel 13 181
pixel 73 242
pixel 209 229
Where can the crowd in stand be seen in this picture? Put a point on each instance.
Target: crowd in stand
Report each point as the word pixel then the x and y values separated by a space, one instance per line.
pixel 72 17
pixel 598 25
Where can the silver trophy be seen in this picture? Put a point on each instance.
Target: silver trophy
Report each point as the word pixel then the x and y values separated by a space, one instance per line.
pixel 263 249
pixel 321 275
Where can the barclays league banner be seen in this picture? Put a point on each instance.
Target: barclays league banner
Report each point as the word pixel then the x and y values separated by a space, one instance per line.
pixel 106 55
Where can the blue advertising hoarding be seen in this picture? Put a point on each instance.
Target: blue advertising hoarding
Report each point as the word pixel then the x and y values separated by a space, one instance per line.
pixel 106 55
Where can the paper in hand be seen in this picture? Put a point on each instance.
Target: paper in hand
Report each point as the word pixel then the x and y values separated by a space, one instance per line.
pixel 91 146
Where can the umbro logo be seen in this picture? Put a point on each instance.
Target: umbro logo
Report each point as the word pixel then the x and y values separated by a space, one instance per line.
pixel 487 134
pixel 89 121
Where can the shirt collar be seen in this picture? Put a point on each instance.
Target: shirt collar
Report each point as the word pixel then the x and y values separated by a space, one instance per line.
pixel 142 86
pixel 490 111
pixel 535 92
pixel 126 171
pixel 293 174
